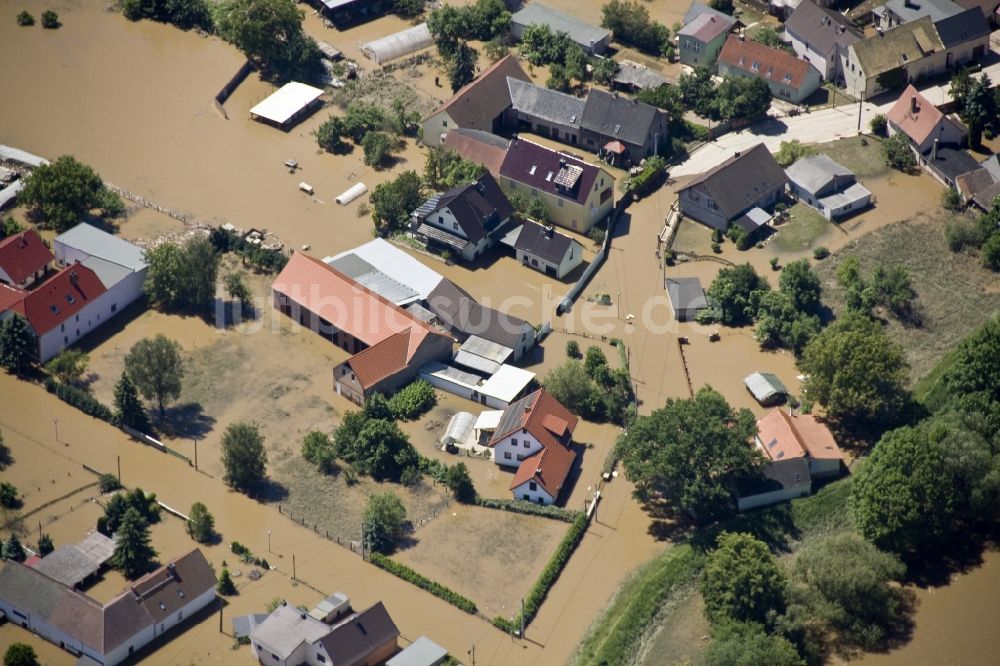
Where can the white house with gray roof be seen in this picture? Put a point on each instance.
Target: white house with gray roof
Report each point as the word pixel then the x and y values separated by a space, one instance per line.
pixel 828 187
pixel 120 265
pixel 821 37
pixel 545 249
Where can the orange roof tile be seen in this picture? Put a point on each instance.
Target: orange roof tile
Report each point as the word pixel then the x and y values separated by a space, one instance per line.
pixel 59 298
pixel 743 53
pixel 480 101
pixel 541 415
pixel 383 360
pixel 549 468
pixel 783 437
pixel 347 305
pixel 914 115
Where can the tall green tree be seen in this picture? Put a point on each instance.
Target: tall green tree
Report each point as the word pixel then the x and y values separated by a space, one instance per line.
pixel 459 482
pixel 900 499
pixel 446 169
pixel 226 587
pixel 856 373
pixel 65 192
pixel 735 644
pixel 978 108
pixel 462 66
pixel 182 276
pixel 243 456
pixel 742 581
pixel 201 523
pixel 691 451
pixel 20 654
pixel 45 545
pixel 740 98
pixel 154 365
pixel 803 285
pixel 394 200
pixel 13 550
pixel 377 147
pixel 383 522
pixel 133 552
pixel 128 408
pixel 18 343
pixel 237 289
pixel 270 33
pixel 737 290
pixel 317 448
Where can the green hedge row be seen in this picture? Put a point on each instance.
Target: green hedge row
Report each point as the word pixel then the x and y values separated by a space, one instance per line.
pixel 520 506
pixel 80 399
pixel 424 583
pixel 548 578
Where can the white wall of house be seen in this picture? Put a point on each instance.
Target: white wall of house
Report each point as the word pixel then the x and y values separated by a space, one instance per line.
pixel 827 65
pixel 91 316
pixel 510 451
pixel 570 260
pixel 27 282
pixel 857 82
pixel 946 132
pixel 824 468
pixel 767 499
pixel 437 125
pixel 266 655
pixel 536 495
pixel 446 220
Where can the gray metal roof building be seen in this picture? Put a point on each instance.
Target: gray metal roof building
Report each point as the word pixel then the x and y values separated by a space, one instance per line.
pixel 686 296
pixel 96 243
pixel 422 652
pixel 545 104
pixel 592 38
pixel 765 387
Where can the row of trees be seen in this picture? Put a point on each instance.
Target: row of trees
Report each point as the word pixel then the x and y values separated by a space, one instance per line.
pixel 378 131
pixel 184 14
pixel 735 98
pixel 269 33
pixel 630 23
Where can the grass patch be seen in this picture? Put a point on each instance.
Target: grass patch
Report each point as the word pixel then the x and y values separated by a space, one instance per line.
pixel 860 154
pixel 613 639
pixel 802 230
pixel 956 294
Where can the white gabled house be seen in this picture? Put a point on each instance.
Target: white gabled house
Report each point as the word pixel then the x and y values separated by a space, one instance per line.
pixel 534 436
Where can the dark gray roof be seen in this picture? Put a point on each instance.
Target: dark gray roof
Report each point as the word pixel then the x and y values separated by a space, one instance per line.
pixel 68 564
pixel 545 104
pixel 814 172
pixel 911 10
pixel 488 138
pixel 697 9
pixel 686 293
pixel 29 591
pixel 543 242
pixel 580 32
pixel 460 312
pixel 737 184
pixel 962 27
pixel 542 168
pixel 619 118
pixel 479 207
pixel 821 28
pixel 775 476
pixel 950 163
pixel 639 76
pixel 352 641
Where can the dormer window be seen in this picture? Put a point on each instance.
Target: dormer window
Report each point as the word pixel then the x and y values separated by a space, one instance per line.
pixel 54 308
pixel 548 177
pixel 755 66
pixel 70 299
pixel 532 169
pixel 788 78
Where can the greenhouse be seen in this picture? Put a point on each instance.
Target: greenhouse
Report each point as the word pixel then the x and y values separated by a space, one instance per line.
pixel 399 44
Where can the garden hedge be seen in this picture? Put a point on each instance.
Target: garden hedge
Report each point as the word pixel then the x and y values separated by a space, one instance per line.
pixel 80 399
pixel 520 506
pixel 424 583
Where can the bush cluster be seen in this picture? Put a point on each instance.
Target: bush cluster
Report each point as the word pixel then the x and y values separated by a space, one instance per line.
pixel 653 174
pixel 247 556
pixel 548 577
pixel 80 399
pixel 529 508
pixel 226 240
pixel 413 401
pixel 424 583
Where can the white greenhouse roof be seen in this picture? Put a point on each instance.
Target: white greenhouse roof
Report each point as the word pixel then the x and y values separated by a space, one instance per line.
pixel 459 428
pixel 507 383
pixel 289 100
pixel 399 44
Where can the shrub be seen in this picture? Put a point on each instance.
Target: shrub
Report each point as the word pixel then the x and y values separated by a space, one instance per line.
pixel 549 575
pixel 820 253
pixel 410 476
pixel 8 495
pixel 774 263
pixel 991 253
pixel 25 18
pixel 109 483
pixel 528 508
pixel 413 401
pixel 791 151
pixel 897 153
pixel 652 176
pixel 50 19
pixel 226 587
pixel 716 248
pixel 573 349
pixel 80 399
pixel 879 125
pixel 424 583
pixel 951 200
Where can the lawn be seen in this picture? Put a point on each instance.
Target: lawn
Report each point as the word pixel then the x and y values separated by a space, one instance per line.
pixel 805 226
pixel 492 557
pixel 955 294
pixel 860 154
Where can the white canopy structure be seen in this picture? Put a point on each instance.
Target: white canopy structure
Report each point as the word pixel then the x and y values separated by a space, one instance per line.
pixel 459 428
pixel 288 104
pixel 352 193
pixel 399 44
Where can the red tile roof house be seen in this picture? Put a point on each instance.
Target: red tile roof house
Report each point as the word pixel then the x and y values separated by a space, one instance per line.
pixel 108 633
pixel 389 344
pixel 534 435
pixel 24 258
pixel 788 77
pixel 922 122
pixel 62 309
pixel 782 436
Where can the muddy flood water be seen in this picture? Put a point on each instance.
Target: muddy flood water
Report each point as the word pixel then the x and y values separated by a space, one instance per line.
pixel 134 100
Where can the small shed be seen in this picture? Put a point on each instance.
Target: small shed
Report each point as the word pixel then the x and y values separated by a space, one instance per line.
pixel 687 297
pixel 399 44
pixel 68 565
pixel 765 387
pixel 422 652
pixel 774 482
pixel 329 51
pixel 633 77
pixel 292 102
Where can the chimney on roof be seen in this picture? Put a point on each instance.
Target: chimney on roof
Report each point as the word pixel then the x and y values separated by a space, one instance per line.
pixel 615 94
pixel 913 104
pixel 736 154
pixel 935 148
pixel 562 161
pixel 549 230
pixel 73 277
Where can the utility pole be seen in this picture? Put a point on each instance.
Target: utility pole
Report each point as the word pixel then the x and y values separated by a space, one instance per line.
pixel 293 566
pixel 522 618
pixel 861 103
pixel 473 653
pixel 55 422
pixel 221 606
pixel 269 542
pixel 119 469
pixel 195 453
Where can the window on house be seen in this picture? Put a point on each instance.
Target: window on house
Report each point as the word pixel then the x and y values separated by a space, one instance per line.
pixel 513 441
pixel 520 457
pixel 513 185
pixel 54 308
pixel 527 444
pixel 444 123
pixel 114 307
pixel 506 455
pixel 534 192
pixel 532 485
pixel 62 328
pixel 321 658
pixel 78 317
pixel 532 169
pixel 711 204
